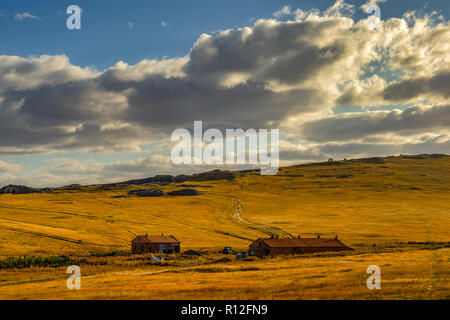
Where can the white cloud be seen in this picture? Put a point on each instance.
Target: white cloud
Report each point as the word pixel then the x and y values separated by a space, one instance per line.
pixel 24 15
pixel 340 8
pixel 6 167
pixel 284 11
pixel 164 24
pixel 370 3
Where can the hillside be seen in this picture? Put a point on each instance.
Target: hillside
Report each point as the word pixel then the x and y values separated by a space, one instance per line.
pixel 368 200
pixel 386 202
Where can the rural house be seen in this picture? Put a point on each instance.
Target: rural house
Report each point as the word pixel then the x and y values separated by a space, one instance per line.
pixel 275 245
pixel 162 243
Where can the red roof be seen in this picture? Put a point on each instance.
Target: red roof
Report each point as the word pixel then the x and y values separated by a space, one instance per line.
pixel 157 239
pixel 302 242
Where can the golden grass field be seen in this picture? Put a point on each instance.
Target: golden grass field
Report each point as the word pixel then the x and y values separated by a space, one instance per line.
pixel 395 213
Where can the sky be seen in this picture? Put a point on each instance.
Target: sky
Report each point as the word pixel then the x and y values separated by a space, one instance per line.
pixel 99 104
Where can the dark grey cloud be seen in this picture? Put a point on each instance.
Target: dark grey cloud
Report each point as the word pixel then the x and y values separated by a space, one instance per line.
pixel 173 103
pixel 73 115
pixel 404 90
pixel 288 53
pixel 412 121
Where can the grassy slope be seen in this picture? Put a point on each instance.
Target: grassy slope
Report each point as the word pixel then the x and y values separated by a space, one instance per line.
pixel 399 200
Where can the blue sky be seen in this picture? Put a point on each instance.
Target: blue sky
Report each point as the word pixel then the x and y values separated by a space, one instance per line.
pixel 136 30
pixel 106 37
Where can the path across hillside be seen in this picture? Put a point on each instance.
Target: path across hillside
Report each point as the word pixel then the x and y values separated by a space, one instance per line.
pixel 269 230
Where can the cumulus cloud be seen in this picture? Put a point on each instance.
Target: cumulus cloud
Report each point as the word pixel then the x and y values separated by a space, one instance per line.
pixel 17 73
pixel 415 120
pixel 278 55
pixel 246 82
pixel 376 91
pixel 436 86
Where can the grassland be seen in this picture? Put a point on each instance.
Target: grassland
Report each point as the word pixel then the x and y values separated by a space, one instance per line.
pixel 394 211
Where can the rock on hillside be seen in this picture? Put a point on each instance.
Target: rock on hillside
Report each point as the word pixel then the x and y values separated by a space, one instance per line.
pixel 159 179
pixel 147 193
pixel 71 187
pixel 164 179
pixel 181 178
pixel 18 189
pixel 213 175
pixel 184 192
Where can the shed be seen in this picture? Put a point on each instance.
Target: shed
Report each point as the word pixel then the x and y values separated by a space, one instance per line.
pixel 149 243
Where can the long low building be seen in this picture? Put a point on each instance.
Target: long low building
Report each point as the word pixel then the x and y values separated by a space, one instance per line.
pixel 275 245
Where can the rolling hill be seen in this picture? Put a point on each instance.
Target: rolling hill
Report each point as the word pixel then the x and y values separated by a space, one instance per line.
pixel 390 203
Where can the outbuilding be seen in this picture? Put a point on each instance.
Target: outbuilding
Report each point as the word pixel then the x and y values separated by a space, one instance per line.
pixel 155 244
pixel 275 245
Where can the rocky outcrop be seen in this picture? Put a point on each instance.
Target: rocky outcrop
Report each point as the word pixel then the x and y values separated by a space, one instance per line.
pixel 165 179
pixel 193 253
pixel 181 178
pixel 159 179
pixel 344 176
pixel 19 189
pixel 112 186
pixel 147 193
pixel 184 192
pixel 71 187
pixel 214 175
pixel 160 193
pixel 193 186
pixel 368 160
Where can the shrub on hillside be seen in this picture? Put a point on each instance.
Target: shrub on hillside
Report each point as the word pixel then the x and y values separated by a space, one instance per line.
pixel 35 261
